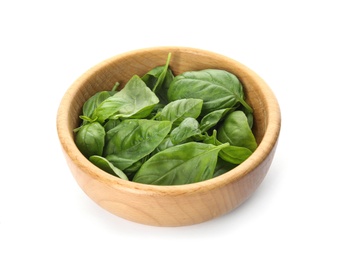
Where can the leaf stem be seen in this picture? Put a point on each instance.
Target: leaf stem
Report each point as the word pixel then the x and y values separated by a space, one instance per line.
pixel 246 105
pixel 163 74
pixel 117 84
pixel 221 146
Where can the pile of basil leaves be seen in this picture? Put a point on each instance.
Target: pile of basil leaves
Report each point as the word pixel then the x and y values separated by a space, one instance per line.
pixel 162 129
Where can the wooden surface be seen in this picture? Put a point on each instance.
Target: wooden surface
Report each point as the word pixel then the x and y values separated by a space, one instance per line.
pixel 169 205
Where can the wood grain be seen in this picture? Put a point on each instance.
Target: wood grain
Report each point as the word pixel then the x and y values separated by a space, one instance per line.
pixel 170 205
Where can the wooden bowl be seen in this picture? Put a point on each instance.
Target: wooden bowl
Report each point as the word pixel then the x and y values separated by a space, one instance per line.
pixel 170 205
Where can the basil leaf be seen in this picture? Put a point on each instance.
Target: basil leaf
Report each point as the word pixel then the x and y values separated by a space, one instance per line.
pixel 189 127
pixel 162 75
pixel 110 124
pixel 235 129
pixel 133 139
pixel 230 154
pixel 165 144
pixel 182 164
pixel 151 77
pixel 212 139
pixel 90 139
pixel 159 79
pixel 234 154
pixel 250 118
pixel 107 166
pixel 94 101
pixel 167 130
pixel 178 110
pixel 131 170
pixel 212 119
pixel 134 100
pixel 218 88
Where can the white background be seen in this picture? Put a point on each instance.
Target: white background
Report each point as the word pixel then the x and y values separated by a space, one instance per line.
pixel 46 45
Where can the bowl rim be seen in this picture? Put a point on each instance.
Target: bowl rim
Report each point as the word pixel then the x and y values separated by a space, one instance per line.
pixel 266 145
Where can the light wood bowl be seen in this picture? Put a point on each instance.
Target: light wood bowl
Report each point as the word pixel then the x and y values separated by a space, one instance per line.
pixel 170 205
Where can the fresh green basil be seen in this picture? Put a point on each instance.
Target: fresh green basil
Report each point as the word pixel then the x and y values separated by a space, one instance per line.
pixel 178 110
pixel 165 144
pixel 93 102
pixel 213 118
pixel 110 124
pixel 131 170
pixel 236 130
pixel 249 117
pixel 230 153
pixel 218 88
pixel 189 127
pixel 107 166
pixel 235 154
pixel 90 139
pixel 159 79
pixel 181 164
pixel 133 139
pixel 164 129
pixel 135 100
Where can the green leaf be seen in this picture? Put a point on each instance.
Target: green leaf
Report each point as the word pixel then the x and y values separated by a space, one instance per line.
pixel 212 119
pixel 165 144
pixel 131 170
pixel 110 124
pixel 151 77
pixel 135 100
pixel 234 154
pixel 250 118
pixel 90 139
pixel 133 139
pixel 182 164
pixel 218 88
pixel 107 166
pixel 236 130
pixel 230 154
pixel 156 78
pixel 161 77
pixel 212 139
pixel 189 127
pixel 178 110
pixel 94 101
